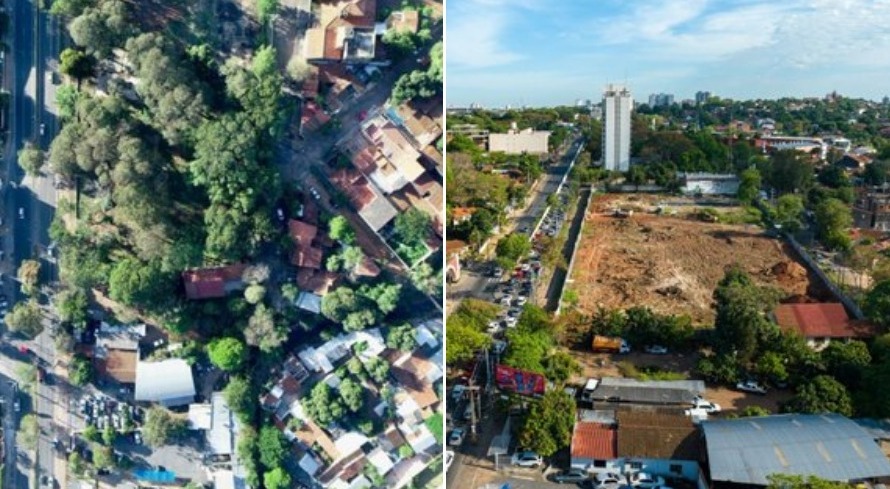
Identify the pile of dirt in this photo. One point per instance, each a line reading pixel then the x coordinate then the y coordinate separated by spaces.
pixel 790 276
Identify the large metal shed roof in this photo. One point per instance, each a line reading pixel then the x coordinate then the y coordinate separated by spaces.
pixel 829 446
pixel 168 382
pixel 649 392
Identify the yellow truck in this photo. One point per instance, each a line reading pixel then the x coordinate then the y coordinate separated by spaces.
pixel 610 344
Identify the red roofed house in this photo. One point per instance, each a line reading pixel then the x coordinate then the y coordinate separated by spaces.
pixel 820 323
pixel 345 32
pixel 306 254
pixel 593 444
pixel 213 283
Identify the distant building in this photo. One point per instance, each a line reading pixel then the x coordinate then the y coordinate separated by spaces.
pixel 617 104
pixel 747 451
pixel 661 100
pixel 702 97
pixel 871 210
pixel 516 142
pixel 709 183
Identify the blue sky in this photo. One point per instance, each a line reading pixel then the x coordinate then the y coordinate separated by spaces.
pixel 552 52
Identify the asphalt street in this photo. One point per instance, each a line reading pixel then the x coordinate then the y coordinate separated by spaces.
pixel 29 202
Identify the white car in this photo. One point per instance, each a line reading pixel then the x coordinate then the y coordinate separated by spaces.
pixel 656 350
pixel 526 459
pixel 705 405
pixel 457 393
pixel 511 321
pixel 608 479
pixel 456 438
pixel 521 300
pixel 499 347
pixel 21 212
pixel 751 386
pixel 646 480
pixel 494 327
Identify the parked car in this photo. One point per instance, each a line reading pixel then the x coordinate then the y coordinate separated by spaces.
pixel 656 350
pixel 608 479
pixel 499 347
pixel 707 406
pixel 456 438
pixel 449 458
pixel 571 476
pixel 751 386
pixel 646 480
pixel 526 459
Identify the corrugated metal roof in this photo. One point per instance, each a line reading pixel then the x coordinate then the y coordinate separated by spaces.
pixel 650 392
pixel 169 382
pixel 829 446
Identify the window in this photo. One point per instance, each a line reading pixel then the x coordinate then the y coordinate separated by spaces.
pixel 636 465
pixel 599 464
pixel 676 469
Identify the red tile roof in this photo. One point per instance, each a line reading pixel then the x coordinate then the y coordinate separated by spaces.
pixel 210 283
pixel 355 186
pixel 816 320
pixel 305 254
pixel 594 440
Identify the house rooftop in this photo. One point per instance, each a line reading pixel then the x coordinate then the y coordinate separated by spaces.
pixel 594 440
pixel 120 365
pixel 657 435
pixel 648 392
pixel 825 320
pixel 212 283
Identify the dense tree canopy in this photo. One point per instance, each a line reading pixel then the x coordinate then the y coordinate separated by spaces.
pixel 228 354
pixel 548 427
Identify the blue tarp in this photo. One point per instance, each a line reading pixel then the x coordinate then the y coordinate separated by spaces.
pixel 155 475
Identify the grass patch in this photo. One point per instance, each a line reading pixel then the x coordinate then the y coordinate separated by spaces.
pixel 436 424
pixel 648 372
pixel 412 254
pixel 745 215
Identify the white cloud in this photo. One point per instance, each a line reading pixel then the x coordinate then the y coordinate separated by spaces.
pixel 474 41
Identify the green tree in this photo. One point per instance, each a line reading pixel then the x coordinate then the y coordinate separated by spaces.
pixel 511 248
pixel 790 172
pixel 72 304
pixel 29 275
pixel 76 464
pixel 322 406
pixel 741 326
pixel 276 478
pixel 833 222
pixel 25 318
pixel 846 361
pixel 271 446
pixel 465 333
pixel 339 229
pixel 352 394
pixel 161 427
pixel 560 366
pixel 771 365
pixel 265 10
pixel 401 337
pixel 103 456
pixel 263 331
pixel 31 159
pixel 240 397
pixel 254 293
pixel 228 354
pixel 29 431
pixel 80 371
pixel 76 63
pixel 140 284
pixel 789 212
pixel 877 303
pixel 752 411
pixel 109 435
pixel 548 427
pixel 790 481
pixel 384 295
pixel 412 227
pixel 822 394
pixel 66 99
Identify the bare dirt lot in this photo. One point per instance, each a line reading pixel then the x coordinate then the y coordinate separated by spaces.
pixel 671 262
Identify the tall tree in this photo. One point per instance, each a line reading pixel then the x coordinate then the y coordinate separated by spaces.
pixel 228 354
pixel 548 427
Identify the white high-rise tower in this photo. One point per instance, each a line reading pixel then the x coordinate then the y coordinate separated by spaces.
pixel 617 105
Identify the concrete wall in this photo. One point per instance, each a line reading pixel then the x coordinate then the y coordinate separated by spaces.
pixel 517 143
pixel 852 308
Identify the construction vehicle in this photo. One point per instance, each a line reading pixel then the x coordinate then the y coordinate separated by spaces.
pixel 609 344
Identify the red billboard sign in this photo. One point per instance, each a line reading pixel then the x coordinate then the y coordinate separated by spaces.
pixel 519 381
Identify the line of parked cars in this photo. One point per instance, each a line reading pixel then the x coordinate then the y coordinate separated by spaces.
pixel 609 480
pixel 101 412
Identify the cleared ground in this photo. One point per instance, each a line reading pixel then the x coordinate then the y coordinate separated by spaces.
pixel 672 261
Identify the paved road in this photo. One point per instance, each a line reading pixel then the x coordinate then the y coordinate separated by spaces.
pixel 29 202
pixel 474 281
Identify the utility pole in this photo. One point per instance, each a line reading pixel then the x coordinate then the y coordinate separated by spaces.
pixel 473 391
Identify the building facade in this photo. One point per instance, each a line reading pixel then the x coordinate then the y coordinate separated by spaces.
pixel 617 105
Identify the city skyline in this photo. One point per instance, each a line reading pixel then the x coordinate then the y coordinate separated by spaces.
pixel 536 53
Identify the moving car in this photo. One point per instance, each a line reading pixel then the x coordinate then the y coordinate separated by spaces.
pixel 571 476
pixel 656 350
pixel 526 459
pixel 21 212
pixel 456 438
pixel 751 386
pixel 646 480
